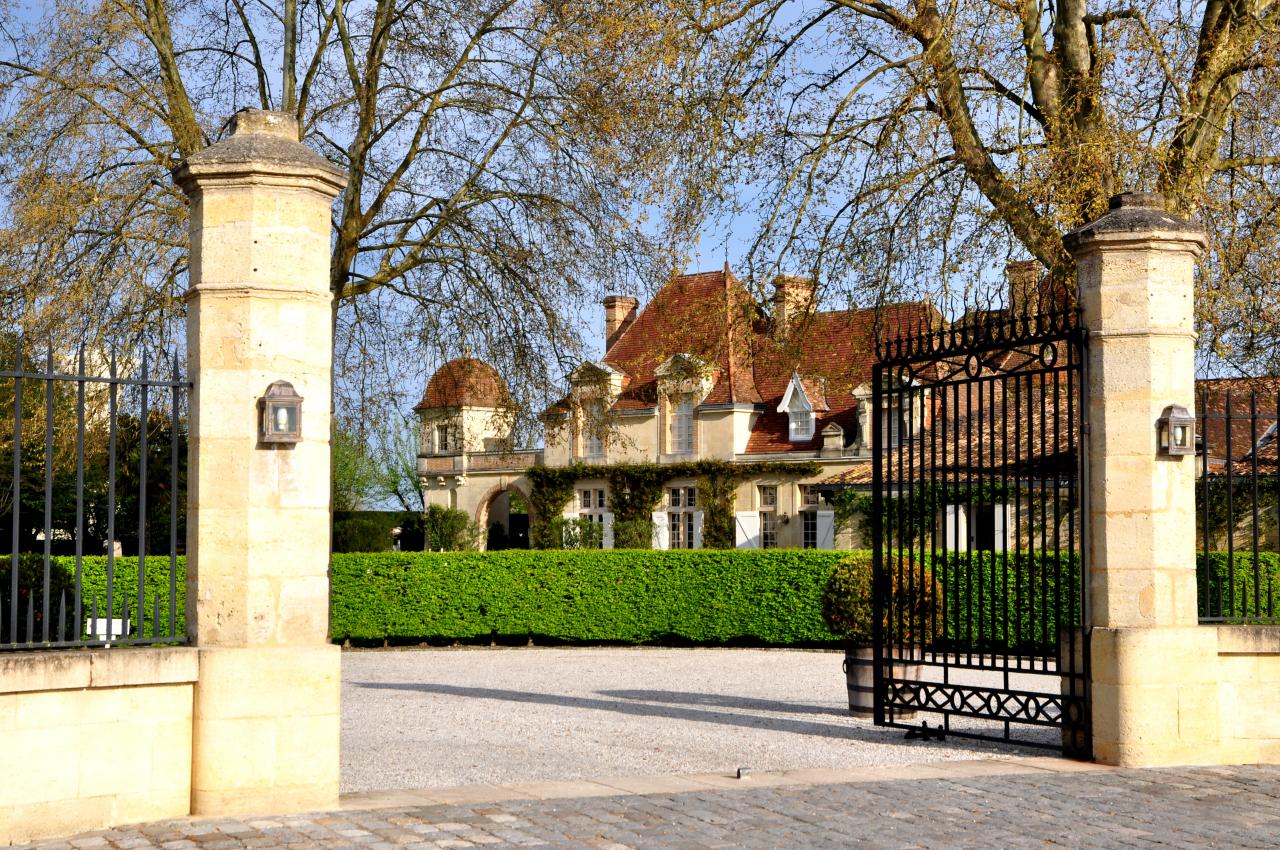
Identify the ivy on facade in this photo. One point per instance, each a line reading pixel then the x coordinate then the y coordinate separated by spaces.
pixel 635 490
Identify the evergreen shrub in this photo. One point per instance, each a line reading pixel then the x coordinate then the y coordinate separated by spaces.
pixel 363 531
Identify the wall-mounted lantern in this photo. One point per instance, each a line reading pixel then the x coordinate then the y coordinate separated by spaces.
pixel 1176 428
pixel 280 414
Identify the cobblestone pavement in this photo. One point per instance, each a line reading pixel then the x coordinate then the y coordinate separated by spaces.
pixel 982 805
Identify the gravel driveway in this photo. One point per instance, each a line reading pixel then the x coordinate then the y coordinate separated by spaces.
pixel 432 718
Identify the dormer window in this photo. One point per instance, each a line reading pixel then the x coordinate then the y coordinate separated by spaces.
pixel 799 410
pixel 902 417
pixel 801 424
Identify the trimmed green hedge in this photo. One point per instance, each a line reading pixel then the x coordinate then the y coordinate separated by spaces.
pixel 125 584
pixel 703 596
pixel 1005 602
pixel 700 596
pixel 93 573
pixel 1230 590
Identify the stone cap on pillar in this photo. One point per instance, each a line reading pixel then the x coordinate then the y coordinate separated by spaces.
pixel 262 142
pixel 1135 215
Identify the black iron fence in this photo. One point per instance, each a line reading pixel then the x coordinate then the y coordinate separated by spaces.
pixel 1237 494
pixel 93 513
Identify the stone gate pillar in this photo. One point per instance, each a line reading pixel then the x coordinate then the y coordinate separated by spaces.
pixel 1154 671
pixel 266 716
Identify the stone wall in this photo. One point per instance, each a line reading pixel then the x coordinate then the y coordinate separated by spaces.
pixel 94 738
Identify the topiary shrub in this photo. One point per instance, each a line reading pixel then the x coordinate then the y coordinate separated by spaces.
pixel 847 607
pixel 576 533
pixel 633 534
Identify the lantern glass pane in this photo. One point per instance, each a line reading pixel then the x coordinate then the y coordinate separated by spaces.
pixel 284 418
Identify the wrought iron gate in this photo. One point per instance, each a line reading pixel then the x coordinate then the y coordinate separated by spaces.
pixel 976 519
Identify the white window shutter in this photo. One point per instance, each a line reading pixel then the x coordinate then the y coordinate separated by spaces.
pixel 955 530
pixel 826 529
pixel 661 533
pixel 606 531
pixel 1001 517
pixel 747 531
pixel 697 529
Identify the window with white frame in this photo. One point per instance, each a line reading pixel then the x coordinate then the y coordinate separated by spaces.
pixel 681 434
pixel 903 418
pixel 809 520
pixel 768 516
pixel 809 502
pixel 801 423
pixel 768 530
pixel 593 430
pixel 799 411
pixel 593 506
pixel 682 505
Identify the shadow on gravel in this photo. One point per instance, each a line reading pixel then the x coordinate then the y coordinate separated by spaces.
pixel 669 710
pixel 724 701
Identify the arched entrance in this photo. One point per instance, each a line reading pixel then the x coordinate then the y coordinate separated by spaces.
pixel 504 516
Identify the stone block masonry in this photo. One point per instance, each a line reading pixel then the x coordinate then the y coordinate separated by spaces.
pixel 93 738
pixel 1165 690
pixel 247 719
pixel 265 714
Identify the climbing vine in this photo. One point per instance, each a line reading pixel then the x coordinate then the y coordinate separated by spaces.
pixel 635 489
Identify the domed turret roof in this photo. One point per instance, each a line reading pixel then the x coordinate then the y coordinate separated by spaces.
pixel 465 382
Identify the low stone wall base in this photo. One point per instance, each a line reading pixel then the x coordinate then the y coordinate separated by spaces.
pixel 1186 696
pixel 92 739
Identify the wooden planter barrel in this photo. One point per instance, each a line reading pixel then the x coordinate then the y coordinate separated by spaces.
pixel 859 674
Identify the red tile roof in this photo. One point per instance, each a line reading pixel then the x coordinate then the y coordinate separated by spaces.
pixel 711 316
pixel 1010 431
pixel 1036 443
pixel 1252 414
pixel 465 382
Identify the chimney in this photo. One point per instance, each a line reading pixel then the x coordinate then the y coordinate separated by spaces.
pixel 792 296
pixel 619 313
pixel 1023 279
